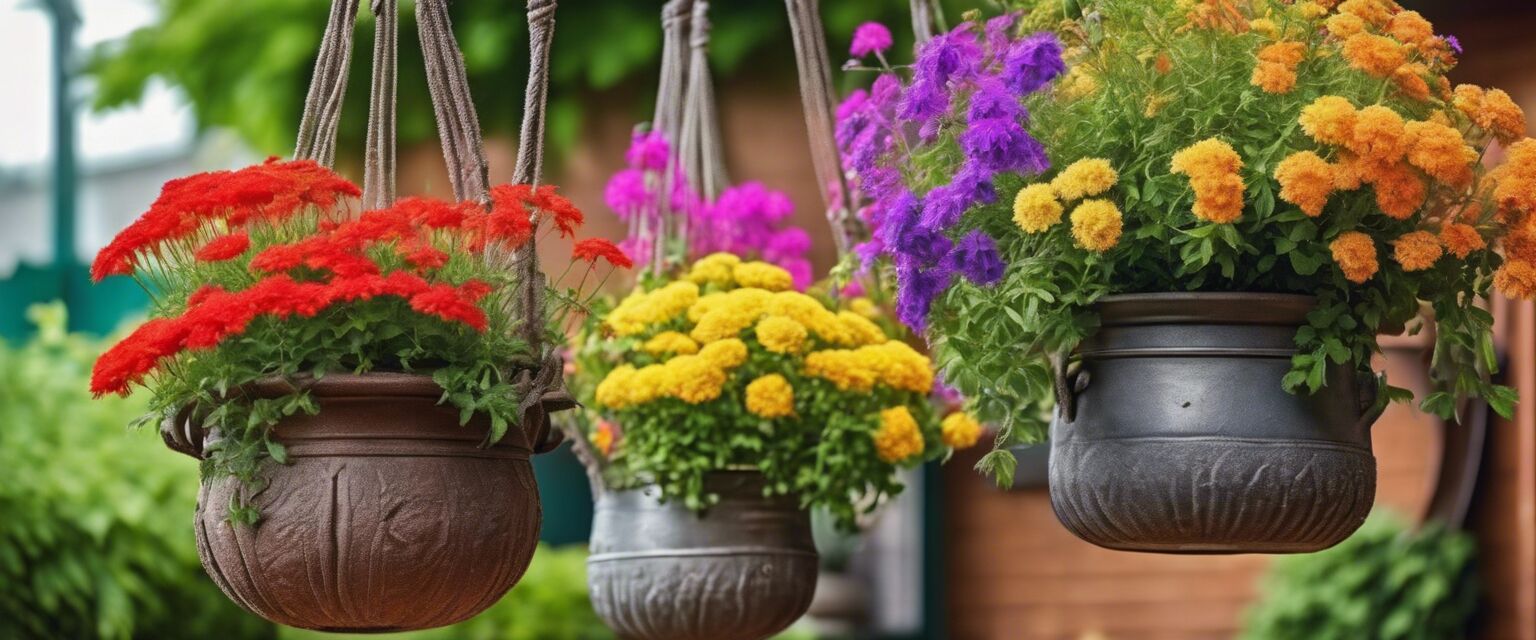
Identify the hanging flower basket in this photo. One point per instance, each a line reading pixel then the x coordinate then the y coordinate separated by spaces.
pixel 743 569
pixel 1175 434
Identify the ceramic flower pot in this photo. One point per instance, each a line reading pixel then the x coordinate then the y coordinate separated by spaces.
pixel 389 516
pixel 1175 435
pixel 744 569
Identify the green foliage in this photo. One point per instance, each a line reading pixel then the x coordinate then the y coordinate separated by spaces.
pixel 1386 582
pixel 550 603
pixel 95 532
pixel 246 65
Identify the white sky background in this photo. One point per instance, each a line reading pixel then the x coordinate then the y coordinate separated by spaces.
pixel 161 123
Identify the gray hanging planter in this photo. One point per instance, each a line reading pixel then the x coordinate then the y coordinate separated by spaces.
pixel 1175 434
pixel 742 570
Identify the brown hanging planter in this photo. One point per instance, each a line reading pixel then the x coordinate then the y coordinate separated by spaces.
pixel 744 569
pixel 389 516
pixel 1175 435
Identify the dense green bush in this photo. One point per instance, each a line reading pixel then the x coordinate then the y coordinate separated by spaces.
pixel 1385 582
pixel 95 521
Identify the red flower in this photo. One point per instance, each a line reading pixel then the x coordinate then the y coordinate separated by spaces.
pixel 593 248
pixel 475 290
pixel 224 247
pixel 568 218
pixel 435 214
pixel 424 257
pixel 450 304
pixel 509 222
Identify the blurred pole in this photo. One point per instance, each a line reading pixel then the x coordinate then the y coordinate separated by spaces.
pixel 66 20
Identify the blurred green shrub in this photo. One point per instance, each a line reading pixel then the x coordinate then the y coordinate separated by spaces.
pixel 95 521
pixel 1386 582
pixel 246 65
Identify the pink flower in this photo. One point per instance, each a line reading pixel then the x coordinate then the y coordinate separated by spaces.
pixel 870 37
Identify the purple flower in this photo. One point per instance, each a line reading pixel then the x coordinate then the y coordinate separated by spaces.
pixel 1032 63
pixel 976 257
pixel 900 217
pixel 976 183
pixel 1454 44
pixel 992 100
pixel 1003 145
pixel 916 288
pixel 924 244
pixel 648 151
pixel 870 37
pixel 923 102
pixel 869 252
pixel 996 32
pixel 942 208
pixel 951 56
pixel 626 193
pixel 885 91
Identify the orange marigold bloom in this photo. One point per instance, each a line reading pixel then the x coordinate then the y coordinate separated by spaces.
pixel 1440 151
pixel 1212 166
pixel 1501 116
pixel 1520 244
pixel 1409 79
pixel 1399 191
pixel 1378 135
pixel 1306 181
pixel 1410 27
pixel 1289 54
pixel 1373 54
pixel 1355 253
pixel 1344 25
pixel 1371 11
pixel 1515 186
pixel 1417 250
pixel 1516 279
pixel 1468 98
pixel 1461 239
pixel 1346 172
pixel 1273 77
pixel 1329 120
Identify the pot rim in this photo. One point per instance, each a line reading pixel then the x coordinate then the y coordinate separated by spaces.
pixel 351 385
pixel 1204 307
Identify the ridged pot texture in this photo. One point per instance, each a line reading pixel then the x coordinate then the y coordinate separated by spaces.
pixel 390 516
pixel 1176 436
pixel 744 569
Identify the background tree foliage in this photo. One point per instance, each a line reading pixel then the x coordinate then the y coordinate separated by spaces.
pixel 246 65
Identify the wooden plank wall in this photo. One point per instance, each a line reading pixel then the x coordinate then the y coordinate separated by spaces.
pixel 1014 573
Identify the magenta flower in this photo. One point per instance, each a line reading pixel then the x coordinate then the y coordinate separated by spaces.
pixel 648 151
pixel 870 37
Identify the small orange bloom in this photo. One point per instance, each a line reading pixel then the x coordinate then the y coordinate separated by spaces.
pixel 1399 191
pixel 1371 11
pixel 1343 26
pixel 1440 151
pixel 1409 79
pixel 1373 54
pixel 1355 253
pixel 1501 116
pixel 1378 135
pixel 1306 180
pixel 1329 120
pixel 1410 27
pixel 1212 166
pixel 1461 239
pixel 1273 77
pixel 1417 250
pixel 1516 279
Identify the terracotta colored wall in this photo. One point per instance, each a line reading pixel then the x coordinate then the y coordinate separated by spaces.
pixel 1014 573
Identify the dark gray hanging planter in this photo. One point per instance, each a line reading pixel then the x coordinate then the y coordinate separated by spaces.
pixel 1175 435
pixel 742 570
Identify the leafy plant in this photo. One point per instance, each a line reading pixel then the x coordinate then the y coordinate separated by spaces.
pixel 86 547
pixel 266 51
pixel 1244 145
pixel 727 368
pixel 1386 582
pixel 264 273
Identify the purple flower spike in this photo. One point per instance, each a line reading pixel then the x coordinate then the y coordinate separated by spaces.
pixel 952 56
pixel 942 208
pixel 917 287
pixel 923 101
pixel 868 38
pixel 977 258
pixel 1454 44
pixel 1003 145
pixel 1032 63
pixel 993 101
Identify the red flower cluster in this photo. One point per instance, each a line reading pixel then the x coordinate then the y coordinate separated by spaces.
pixel 270 191
pixel 224 247
pixel 214 315
pixel 592 249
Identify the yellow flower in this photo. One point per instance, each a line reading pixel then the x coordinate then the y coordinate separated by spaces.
pixel 694 379
pixel 810 312
pixel 864 307
pixel 745 300
pixel 898 438
pixel 670 342
pixel 781 335
pixel 1417 250
pixel 892 363
pixel 725 354
pixel 1264 26
pixel 1440 151
pixel 1078 83
pixel 1379 135
pixel 771 397
pixel 1306 181
pixel 640 310
pixel 1096 225
pixel 650 383
pixel 1355 253
pixel 1373 54
pixel 1035 209
pixel 1461 239
pixel 613 391
pixel 1329 120
pixel 860 330
pixel 715 269
pixel 960 430
pixel 1516 279
pixel 762 275
pixel 1212 166
pixel 1086 177
pixel 1311 10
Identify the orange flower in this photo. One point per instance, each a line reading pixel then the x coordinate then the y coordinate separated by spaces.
pixel 1343 26
pixel 1355 254
pixel 1520 244
pixel 1410 80
pixel 1501 116
pixel 1409 27
pixel 1371 11
pixel 1440 151
pixel 1378 135
pixel 1399 191
pixel 1461 239
pixel 1346 172
pixel 1163 64
pixel 1417 250
pixel 1468 98
pixel 1273 77
pixel 1289 54
pixel 1329 120
pixel 1306 181
pixel 1516 279
pixel 1212 166
pixel 1373 54
pixel 1515 187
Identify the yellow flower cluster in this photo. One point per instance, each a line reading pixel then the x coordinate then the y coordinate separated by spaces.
pixel 761 275
pixel 781 335
pixel 892 364
pixel 770 397
pixel 1036 209
pixel 959 430
pixel 670 342
pixel 717 269
pixel 1213 168
pixel 641 310
pixel 1096 224
pixel 1084 178
pixel 726 270
pixel 898 438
